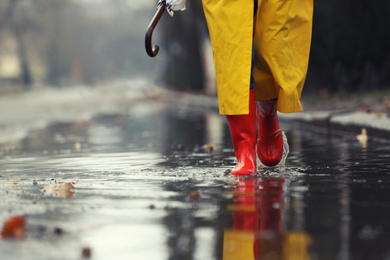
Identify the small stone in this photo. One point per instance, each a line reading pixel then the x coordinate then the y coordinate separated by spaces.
pixel 58 231
pixel 86 252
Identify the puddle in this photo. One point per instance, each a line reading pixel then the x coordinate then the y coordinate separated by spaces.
pixel 150 184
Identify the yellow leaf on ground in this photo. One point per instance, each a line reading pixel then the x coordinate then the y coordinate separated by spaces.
pixel 59 190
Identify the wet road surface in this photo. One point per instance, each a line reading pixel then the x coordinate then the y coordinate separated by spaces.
pixel 151 184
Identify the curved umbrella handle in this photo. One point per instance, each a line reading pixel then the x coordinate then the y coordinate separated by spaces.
pixel 152 51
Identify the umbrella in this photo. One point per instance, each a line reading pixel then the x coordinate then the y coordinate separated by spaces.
pixel 152 51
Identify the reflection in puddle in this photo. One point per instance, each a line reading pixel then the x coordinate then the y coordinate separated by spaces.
pixel 257 228
pixel 151 185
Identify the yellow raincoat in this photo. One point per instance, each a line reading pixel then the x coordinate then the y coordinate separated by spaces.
pixel 282 37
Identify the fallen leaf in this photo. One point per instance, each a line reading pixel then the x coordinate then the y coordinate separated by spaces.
pixel 383 115
pixel 362 138
pixel 14 228
pixel 194 196
pixel 59 190
pixel 209 147
pixel 77 146
pixel 363 111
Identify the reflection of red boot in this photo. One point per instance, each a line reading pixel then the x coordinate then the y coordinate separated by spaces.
pixel 243 132
pixel 271 204
pixel 270 137
pixel 246 214
pixel 271 207
pixel 240 242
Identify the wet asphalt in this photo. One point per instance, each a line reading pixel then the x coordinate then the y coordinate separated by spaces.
pixel 149 182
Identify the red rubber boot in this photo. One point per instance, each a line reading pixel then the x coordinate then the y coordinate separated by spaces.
pixel 243 132
pixel 270 137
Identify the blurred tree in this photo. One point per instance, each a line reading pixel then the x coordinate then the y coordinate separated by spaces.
pixel 67 42
pixel 7 8
pixel 56 47
pixel 10 7
pixel 183 36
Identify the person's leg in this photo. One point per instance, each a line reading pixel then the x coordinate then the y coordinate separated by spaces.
pixel 269 135
pixel 243 132
pixel 282 45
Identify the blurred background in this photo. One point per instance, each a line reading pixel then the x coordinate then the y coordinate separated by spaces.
pixel 60 43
